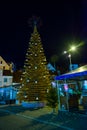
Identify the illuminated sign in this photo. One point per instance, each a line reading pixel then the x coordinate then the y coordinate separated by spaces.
pixel 66 87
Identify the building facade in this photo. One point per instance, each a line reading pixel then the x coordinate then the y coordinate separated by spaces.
pixel 8 89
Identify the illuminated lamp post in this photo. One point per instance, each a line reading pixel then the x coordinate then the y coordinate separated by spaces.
pixel 70 61
pixel 73 48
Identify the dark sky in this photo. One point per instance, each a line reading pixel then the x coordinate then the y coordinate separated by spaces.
pixel 62 22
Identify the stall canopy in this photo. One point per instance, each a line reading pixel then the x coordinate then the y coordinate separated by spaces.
pixel 80 73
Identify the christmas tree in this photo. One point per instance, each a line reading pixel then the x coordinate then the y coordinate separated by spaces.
pixel 35 80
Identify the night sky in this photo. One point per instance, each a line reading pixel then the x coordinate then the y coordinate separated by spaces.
pixel 62 22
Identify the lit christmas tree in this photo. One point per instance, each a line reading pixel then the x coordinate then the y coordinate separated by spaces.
pixel 35 81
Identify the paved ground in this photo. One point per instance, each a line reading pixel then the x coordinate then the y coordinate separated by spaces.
pixel 16 117
pixel 14 122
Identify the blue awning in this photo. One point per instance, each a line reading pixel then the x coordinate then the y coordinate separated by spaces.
pixel 80 72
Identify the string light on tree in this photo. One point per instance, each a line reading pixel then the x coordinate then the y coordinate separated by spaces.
pixel 35 67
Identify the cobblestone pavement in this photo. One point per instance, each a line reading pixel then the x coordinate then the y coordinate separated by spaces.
pixel 65 120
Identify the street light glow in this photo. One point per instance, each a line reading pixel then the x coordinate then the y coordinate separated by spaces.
pixel 69 55
pixel 65 52
pixel 73 48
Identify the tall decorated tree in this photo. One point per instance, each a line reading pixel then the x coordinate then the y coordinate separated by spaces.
pixel 35 80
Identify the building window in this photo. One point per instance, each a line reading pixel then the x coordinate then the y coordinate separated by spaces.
pixel 1 62
pixel 3 67
pixel 0 83
pixel 5 79
pixel 10 80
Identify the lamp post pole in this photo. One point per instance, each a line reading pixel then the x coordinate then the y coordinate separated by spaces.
pixel 70 62
pixel 73 48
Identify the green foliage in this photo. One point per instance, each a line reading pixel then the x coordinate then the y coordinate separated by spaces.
pixel 52 98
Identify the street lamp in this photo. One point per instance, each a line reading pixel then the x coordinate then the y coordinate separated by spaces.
pixel 70 61
pixel 73 48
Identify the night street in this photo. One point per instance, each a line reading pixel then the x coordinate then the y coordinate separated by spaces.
pixel 13 122
pixel 18 118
